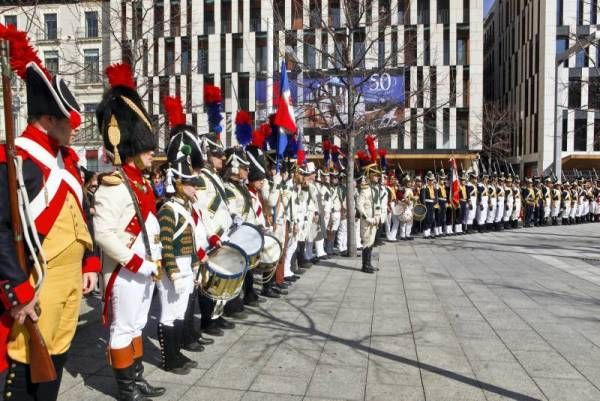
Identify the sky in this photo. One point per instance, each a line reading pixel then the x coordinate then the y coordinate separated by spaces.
pixel 487 5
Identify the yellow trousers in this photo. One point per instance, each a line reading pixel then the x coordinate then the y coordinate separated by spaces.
pixel 60 302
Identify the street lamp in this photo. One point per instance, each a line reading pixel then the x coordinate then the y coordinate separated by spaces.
pixel 581 45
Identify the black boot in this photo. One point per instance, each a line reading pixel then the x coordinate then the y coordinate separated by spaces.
pixel 169 349
pixel 187 362
pixel 302 262
pixel 142 385
pixel 369 260
pixel 126 385
pixel 365 261
pixel 192 340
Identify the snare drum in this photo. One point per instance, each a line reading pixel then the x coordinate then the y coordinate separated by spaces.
pixel 250 239
pixel 270 255
pixel 223 275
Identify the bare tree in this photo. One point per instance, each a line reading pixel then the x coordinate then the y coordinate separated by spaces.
pixel 497 125
pixel 350 46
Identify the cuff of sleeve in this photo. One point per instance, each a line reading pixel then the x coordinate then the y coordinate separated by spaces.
pixel 212 241
pixel 92 265
pixel 16 295
pixel 134 263
pixel 201 254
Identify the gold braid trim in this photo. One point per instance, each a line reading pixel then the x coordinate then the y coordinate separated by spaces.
pixel 137 111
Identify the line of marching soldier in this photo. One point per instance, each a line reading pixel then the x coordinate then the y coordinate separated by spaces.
pixel 484 203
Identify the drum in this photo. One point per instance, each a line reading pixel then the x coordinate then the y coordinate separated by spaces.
pixel 270 255
pixel 223 275
pixel 248 237
pixel 419 212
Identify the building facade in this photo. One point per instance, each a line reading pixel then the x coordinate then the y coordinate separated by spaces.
pixel 423 60
pixel 522 42
pixel 69 38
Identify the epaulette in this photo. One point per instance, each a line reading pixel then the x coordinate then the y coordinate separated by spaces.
pixel 112 179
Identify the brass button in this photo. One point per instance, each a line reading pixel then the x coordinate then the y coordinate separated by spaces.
pixel 8 395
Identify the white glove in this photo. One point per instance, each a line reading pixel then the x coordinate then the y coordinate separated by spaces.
pixel 372 220
pixel 179 283
pixel 148 268
pixel 277 179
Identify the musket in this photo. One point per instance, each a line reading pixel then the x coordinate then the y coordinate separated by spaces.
pixel 595 174
pixel 435 169
pixel 41 366
pixel 400 168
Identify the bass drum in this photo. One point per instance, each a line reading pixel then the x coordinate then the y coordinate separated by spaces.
pixel 250 239
pixel 270 255
pixel 419 212
pixel 223 275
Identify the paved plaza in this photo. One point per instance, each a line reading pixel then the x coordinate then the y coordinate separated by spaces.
pixel 498 316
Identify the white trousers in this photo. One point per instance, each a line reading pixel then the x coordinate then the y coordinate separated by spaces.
pixel 491 214
pixel 359 243
pixel 516 214
pixel 508 210
pixel 482 212
pixel 499 210
pixel 336 218
pixel 391 226
pixel 320 247
pixel 130 303
pixel 472 213
pixel 566 212
pixel 555 209
pixel 405 229
pixel 291 249
pixel 172 304
pixel 342 237
pixel 573 211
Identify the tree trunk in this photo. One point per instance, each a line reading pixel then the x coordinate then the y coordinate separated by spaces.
pixel 350 185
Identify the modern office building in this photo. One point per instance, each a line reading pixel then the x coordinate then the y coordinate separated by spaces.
pixel 426 97
pixel 522 42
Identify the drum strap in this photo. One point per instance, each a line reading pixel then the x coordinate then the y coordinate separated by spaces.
pixel 178 210
pixel 217 186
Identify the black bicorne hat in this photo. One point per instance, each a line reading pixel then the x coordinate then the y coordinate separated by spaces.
pixel 46 95
pixel 257 163
pixel 181 170
pixel 122 118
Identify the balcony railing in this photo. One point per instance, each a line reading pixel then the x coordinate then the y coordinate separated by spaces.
pixel 87 34
pixel 51 36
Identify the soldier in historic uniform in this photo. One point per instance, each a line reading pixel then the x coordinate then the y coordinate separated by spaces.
pixel 555 195
pixel 429 198
pixel 509 202
pixel 406 201
pixel 482 203
pixel 180 260
pixel 57 228
pixel 368 207
pixel 306 203
pixel 337 204
pixel 518 203
pixel 492 203
pixel 184 135
pixel 565 203
pixel 462 211
pixel 530 198
pixel 500 203
pixel 342 231
pixel 574 202
pixel 324 194
pixel 127 229
pixel 441 211
pixel 472 203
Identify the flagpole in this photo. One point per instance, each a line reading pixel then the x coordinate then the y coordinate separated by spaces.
pixel 270 62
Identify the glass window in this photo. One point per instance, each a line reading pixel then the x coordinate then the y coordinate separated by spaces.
pixel 443 12
pixel 574 93
pixel 159 20
pixel 91 24
pixel 175 18
pixel 559 12
pixel 50 24
pixel 562 44
pixel 169 57
pixel 10 20
pixel 202 55
pixel 580 138
pixel 51 61
pixel 91 59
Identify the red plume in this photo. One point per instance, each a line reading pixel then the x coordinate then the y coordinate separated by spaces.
pixel 362 156
pixel 371 147
pixel 382 152
pixel 258 138
pixel 326 145
pixel 120 74
pixel 212 94
pixel 21 51
pixel 174 110
pixel 300 157
pixel 242 117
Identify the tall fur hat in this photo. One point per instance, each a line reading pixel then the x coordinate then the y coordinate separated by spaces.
pixel 122 118
pixel 181 133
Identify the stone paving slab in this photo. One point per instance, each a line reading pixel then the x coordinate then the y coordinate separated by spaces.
pixel 496 316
